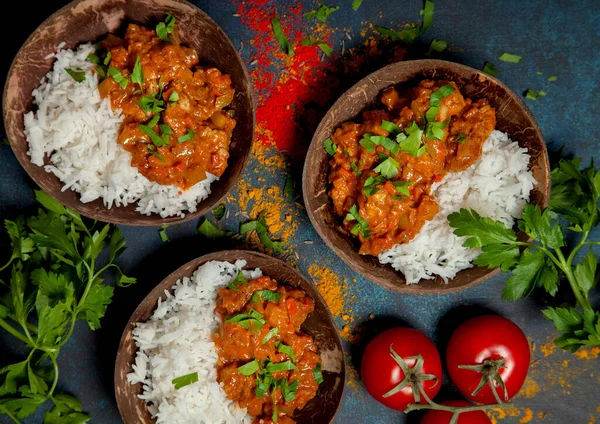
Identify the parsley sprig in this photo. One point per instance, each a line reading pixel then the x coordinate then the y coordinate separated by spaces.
pixel 52 280
pixel 546 259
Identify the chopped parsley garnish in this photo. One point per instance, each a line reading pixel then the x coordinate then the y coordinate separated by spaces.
pixel 107 59
pixel 153 152
pixel 163 233
pixel 268 295
pixel 402 187
pixel 288 391
pixel 154 137
pixel 283 366
pixel 539 73
pixel 185 380
pixel 237 282
pixel 330 147
pixel 137 76
pixel 356 4
pixel 367 143
pixel 253 320
pixel 388 168
pixel 260 226
pixel 411 144
pixel 318 374
pixel 460 138
pixel 286 350
pixel 436 46
pixel 166 131
pixel 93 58
pixel 541 93
pixel 280 37
pixel 362 226
pixel 490 69
pixel 552 78
pixel 78 76
pixel 219 211
pixel 208 230
pixel 533 95
pixel 369 186
pixel 322 13
pixel 409 35
pixel 153 104
pixel 310 41
pixel 435 130
pixel 390 126
pixel 355 169
pixel 249 368
pixel 163 29
pixel 272 333
pixel 189 135
pixel 118 77
pixel 174 97
pixel 508 57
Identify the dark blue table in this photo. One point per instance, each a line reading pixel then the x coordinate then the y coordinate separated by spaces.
pixel 554 37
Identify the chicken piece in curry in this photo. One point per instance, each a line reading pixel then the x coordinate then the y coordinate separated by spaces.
pixel 176 123
pixel 384 165
pixel 266 363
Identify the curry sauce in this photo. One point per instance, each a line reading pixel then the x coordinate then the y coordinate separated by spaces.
pixel 176 125
pixel 383 166
pixel 266 363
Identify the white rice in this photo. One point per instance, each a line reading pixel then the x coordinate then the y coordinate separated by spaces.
pixel 176 341
pixel 78 131
pixel 497 185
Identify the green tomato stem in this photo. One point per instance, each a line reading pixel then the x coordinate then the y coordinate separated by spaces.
pixel 15 332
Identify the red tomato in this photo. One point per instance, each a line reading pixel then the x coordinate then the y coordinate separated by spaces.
pixel 443 417
pixel 484 338
pixel 380 372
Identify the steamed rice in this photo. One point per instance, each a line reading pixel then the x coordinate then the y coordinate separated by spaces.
pixel 497 186
pixel 176 341
pixel 78 130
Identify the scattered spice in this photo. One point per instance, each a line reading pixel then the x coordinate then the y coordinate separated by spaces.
pixel 328 284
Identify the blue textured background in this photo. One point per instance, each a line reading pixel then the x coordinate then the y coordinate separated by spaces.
pixel 559 37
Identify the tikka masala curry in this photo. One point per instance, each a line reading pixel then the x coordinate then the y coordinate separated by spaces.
pixel 266 363
pixel 176 124
pixel 383 167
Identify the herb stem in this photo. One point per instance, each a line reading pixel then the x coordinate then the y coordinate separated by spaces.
pixel 548 253
pixel 55 382
pixel 596 243
pixel 583 302
pixel 12 258
pixel 11 416
pixel 15 332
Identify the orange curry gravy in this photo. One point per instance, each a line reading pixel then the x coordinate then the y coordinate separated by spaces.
pixel 238 344
pixel 393 218
pixel 192 100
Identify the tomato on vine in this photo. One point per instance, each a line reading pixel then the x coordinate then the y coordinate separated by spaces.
pixel 488 352
pixel 401 366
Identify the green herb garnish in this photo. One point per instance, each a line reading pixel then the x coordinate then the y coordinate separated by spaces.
pixel 288 189
pixel 185 380
pixel 390 127
pixel 512 58
pixel 189 135
pixel 409 35
pixel 154 137
pixel 174 97
pixel 531 95
pixel 268 295
pixel 208 230
pixel 108 58
pixel 369 186
pixel 318 374
pixel 460 138
pixel 367 143
pixel 137 76
pixel 362 226
pixel 355 169
pixel 78 76
pixel 490 69
pixel 283 366
pixel 93 58
pixel 280 37
pixel 310 41
pixel 388 168
pixel 330 147
pixel 154 153
pixel 402 187
pixel 356 4
pixel 272 333
pixel 436 46
pixel 387 143
pixel 552 78
pixel 163 29
pixel 249 368
pixel 118 77
pixel 260 226
pixel 435 130
pixel 322 13
pixel 163 233
pixel 286 350
pixel 152 104
pixel 238 281
pixel 253 320
pixel 411 144
pixel 219 211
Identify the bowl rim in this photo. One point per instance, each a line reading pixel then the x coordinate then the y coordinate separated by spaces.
pixel 194 264
pixel 342 254
pixel 154 219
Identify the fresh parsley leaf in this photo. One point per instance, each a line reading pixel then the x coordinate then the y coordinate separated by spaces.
pixel 402 187
pixel 460 138
pixel 163 29
pixel 187 136
pixel 407 35
pixel 272 333
pixel 260 226
pixel 208 230
pixel 436 46
pixel 526 275
pixel 490 69
pixel 238 281
pixel 355 169
pixel 427 13
pixel 552 78
pixel 387 143
pixel 94 307
pixel 108 58
pixel 137 76
pixel 480 230
pixel 163 233
pixel 318 374
pixel 388 168
pixel 118 77
pixel 411 144
pixel 283 366
pixel 531 95
pixel 249 368
pixel 288 391
pixel 504 256
pixel 78 76
pixel 390 126
pixel 537 225
pixel 435 130
pixel 512 58
pixel 280 37
pixel 366 142
pixel 219 211
pixel 185 380
pixel 93 58
pixel 152 104
pixel 267 295
pixel 322 13
pixel 369 186
pixel 330 147
pixel 356 4
pixel 585 272
pixel 154 153
pixel 310 41
pixel 362 226
pixel 174 97
pixel 154 137
pixel 286 350
pixel 22 245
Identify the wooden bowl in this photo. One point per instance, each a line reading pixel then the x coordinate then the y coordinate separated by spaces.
pixel 319 325
pixel 513 118
pixel 89 20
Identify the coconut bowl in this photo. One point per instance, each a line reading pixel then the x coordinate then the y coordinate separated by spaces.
pixel 84 21
pixel 512 115
pixel 321 409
